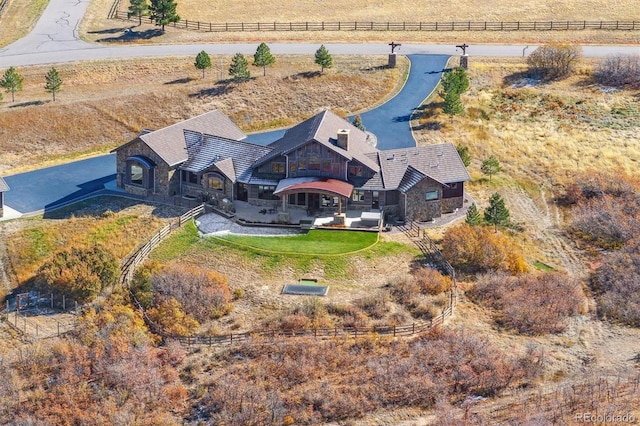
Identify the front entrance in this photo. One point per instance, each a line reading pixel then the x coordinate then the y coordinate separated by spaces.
pixel 314 202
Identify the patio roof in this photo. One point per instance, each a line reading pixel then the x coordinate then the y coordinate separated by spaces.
pixel 314 184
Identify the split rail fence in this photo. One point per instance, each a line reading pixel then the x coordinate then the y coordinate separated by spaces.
pixel 389 26
pixel 3 6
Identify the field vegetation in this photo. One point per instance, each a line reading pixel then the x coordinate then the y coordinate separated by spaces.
pixel 97 27
pixel 104 104
pixel 548 328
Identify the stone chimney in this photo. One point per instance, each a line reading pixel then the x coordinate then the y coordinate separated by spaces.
pixel 343 139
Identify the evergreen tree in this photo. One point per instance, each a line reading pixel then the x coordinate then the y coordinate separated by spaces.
pixel 463 152
pixel 12 82
pixel 473 215
pixel 490 166
pixel 138 8
pixel 163 12
pixel 323 58
pixel 452 104
pixel 357 121
pixel 497 213
pixel 454 83
pixel 203 61
pixel 53 82
pixel 263 58
pixel 239 68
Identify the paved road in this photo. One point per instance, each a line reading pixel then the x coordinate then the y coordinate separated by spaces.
pixel 55 39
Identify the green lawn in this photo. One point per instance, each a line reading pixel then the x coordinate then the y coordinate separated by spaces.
pixel 316 242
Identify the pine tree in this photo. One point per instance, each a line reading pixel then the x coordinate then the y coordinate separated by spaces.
pixel 263 58
pixel 357 121
pixel 163 12
pixel 53 82
pixel 452 104
pixel 497 213
pixel 490 166
pixel 239 68
pixel 323 58
pixel 463 152
pixel 138 8
pixel 473 215
pixel 203 61
pixel 12 82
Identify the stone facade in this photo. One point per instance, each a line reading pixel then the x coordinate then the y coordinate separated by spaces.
pixel 449 205
pixel 418 207
pixel 166 180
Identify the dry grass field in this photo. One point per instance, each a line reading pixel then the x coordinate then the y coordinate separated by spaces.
pixel 18 19
pixel 103 104
pixel 95 24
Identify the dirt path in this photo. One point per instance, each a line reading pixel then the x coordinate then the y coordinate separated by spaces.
pixel 543 221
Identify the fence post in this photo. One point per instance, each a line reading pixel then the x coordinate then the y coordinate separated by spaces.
pixel 413 328
pixel 64 303
pixel 51 300
pixel 231 338
pixel 394 330
pixel 58 323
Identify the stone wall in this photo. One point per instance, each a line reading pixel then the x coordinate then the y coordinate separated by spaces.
pixel 449 205
pixel 418 208
pixel 166 180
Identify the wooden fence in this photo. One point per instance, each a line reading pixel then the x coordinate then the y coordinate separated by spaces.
pixel 391 26
pixel 133 260
pixel 430 251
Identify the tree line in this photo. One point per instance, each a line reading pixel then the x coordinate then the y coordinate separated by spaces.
pixel 12 82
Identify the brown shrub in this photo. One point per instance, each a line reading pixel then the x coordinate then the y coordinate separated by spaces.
pixel 530 304
pixel 431 281
pixel 375 305
pixel 617 285
pixel 478 249
pixel 202 293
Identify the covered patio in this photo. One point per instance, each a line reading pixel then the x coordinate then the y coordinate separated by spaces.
pixel 301 217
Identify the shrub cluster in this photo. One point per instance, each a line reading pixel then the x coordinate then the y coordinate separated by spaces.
pixel 619 70
pixel 309 382
pixel 617 285
pixel 79 273
pixel 479 249
pixel 416 292
pixel 606 209
pixel 530 304
pixel 554 61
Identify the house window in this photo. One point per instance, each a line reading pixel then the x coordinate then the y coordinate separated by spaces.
pixel 190 177
pixel 355 170
pixel 137 174
pixel 265 192
pixel 432 195
pixel 302 199
pixel 358 195
pixel 215 182
pixel 302 164
pixel 314 162
pixel 277 167
pixel 292 167
pixel 453 185
pixel 326 166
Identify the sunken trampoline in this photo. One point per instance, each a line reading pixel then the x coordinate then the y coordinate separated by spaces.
pixel 306 287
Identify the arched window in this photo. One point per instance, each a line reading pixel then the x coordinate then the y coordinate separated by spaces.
pixel 140 171
pixel 215 182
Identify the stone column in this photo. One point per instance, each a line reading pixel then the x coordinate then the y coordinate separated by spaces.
pixel 464 61
pixel 392 60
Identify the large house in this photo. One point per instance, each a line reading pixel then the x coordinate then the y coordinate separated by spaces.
pixel 324 163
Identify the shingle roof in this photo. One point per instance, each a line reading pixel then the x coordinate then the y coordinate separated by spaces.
pixel 169 142
pixel 3 185
pixel 411 177
pixel 440 162
pixel 232 157
pixel 323 128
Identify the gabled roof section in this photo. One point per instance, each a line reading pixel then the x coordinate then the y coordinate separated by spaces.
pixel 439 162
pixel 323 128
pixel 411 177
pixel 232 157
pixel 4 187
pixel 169 142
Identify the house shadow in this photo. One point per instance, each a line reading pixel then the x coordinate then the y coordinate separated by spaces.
pixel 129 36
pixel 373 69
pixel 85 189
pixel 112 30
pixel 424 114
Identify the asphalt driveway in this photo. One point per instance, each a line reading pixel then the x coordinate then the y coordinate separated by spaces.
pixel 46 189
